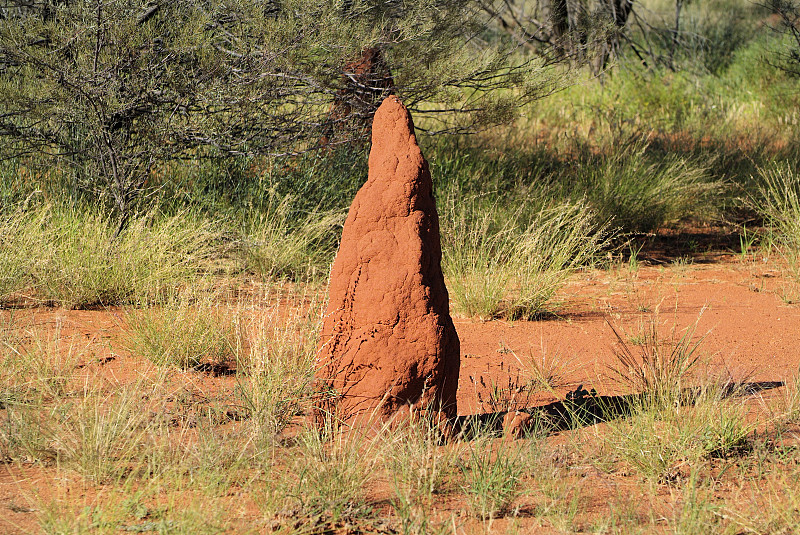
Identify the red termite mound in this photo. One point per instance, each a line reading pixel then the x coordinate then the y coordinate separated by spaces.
pixel 388 343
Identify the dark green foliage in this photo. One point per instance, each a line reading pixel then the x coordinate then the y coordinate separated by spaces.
pixel 110 90
pixel 789 56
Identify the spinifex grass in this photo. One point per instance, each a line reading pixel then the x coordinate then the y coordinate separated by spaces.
pixel 641 193
pixel 326 474
pixel 184 333
pixel 662 442
pixel 91 429
pixel 501 263
pixel 658 370
pixel 73 258
pixel 277 367
pixel 36 371
pixel 493 477
pixel 271 341
pixel 778 202
pixel 101 434
pixel 34 365
pixel 280 243
pixel 23 237
pixel 546 372
pixel 419 465
pixel 148 508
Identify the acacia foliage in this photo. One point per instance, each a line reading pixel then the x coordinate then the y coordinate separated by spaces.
pixel 789 13
pixel 111 89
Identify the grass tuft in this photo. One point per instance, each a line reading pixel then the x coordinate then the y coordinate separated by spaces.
pixel 34 367
pixel 100 435
pixel 660 369
pixel 275 374
pixel 640 193
pixel 493 477
pixel 326 474
pixel 662 443
pixel 778 202
pixel 183 334
pixel 72 258
pixel 419 466
pixel 501 263
pixel 281 243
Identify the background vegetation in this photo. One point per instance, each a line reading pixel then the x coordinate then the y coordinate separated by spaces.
pixel 695 103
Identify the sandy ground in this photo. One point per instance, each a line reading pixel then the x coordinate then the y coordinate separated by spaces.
pixel 749 331
pixel 742 307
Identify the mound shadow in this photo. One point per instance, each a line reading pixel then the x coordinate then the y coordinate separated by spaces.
pixel 582 408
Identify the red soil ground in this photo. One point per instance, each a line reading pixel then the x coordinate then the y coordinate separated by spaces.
pixel 742 309
pixel 741 306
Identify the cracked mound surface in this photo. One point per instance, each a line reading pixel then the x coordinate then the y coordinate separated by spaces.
pixel 388 342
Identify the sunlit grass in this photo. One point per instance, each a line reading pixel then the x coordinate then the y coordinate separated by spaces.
pixel 510 263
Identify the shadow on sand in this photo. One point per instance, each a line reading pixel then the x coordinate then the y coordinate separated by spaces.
pixel 580 409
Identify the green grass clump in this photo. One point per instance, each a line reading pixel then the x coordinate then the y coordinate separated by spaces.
pixel 326 475
pixel 100 435
pixel 660 368
pixel 32 366
pixel 674 422
pixel 118 511
pixel 281 243
pixel 778 202
pixel 501 263
pixel 35 371
pixel 273 349
pixel 74 258
pixel 420 466
pixel 493 478
pixel 23 244
pixel 661 443
pixel 183 334
pixel 641 193
pixel 49 419
pixel 278 366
